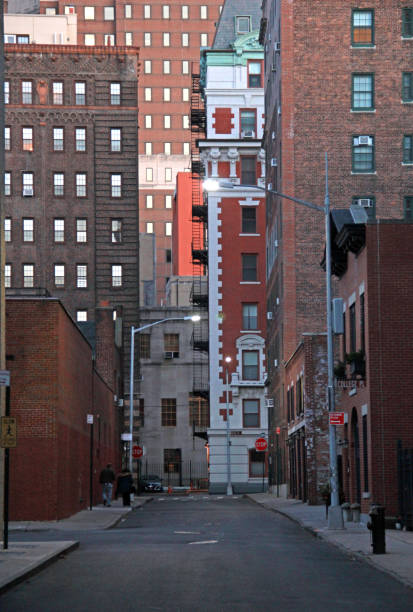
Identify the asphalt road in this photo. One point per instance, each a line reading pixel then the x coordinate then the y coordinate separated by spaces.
pixel 206 554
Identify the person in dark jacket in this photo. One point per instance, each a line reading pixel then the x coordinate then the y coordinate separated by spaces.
pixel 124 486
pixel 107 478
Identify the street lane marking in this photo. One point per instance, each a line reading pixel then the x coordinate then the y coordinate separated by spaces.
pixel 205 542
pixel 188 532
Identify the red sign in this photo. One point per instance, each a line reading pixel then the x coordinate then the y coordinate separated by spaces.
pixel 137 451
pixel 261 444
pixel 278 430
pixel 336 418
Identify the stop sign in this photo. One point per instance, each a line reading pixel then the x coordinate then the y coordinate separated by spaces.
pixel 261 444
pixel 137 451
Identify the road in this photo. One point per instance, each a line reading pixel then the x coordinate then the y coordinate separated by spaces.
pixel 205 553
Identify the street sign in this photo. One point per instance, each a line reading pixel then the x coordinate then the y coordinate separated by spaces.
pixel 4 378
pixel 126 437
pixel 261 444
pixel 8 432
pixel 278 430
pixel 336 418
pixel 89 419
pixel 137 452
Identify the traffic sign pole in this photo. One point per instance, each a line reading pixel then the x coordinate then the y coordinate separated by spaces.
pixel 6 481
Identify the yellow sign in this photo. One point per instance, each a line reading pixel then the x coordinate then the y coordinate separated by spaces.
pixel 8 432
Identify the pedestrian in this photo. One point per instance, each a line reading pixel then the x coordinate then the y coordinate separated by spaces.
pixel 107 478
pixel 124 486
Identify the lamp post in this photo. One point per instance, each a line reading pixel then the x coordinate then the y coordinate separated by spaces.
pixel 229 484
pixel 335 516
pixel 133 331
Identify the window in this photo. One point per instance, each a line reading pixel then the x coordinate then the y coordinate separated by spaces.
pixel 185 67
pixel 89 13
pixel 59 275
pixel 167 122
pixel 250 369
pixel 116 275
pixel 27 138
pixel 172 460
pixel 408 149
pixel 148 121
pixel 89 40
pixel 166 39
pixel 149 175
pixel 363 154
pixel 59 230
pixel 7 229
pixel 81 185
pixel 115 93
pixel 168 412
pixel 81 316
pixel 28 230
pixel 362 95
pixel 203 11
pixel 249 267
pixel 147 39
pixel 256 463
pixel 408 208
pixel 251 413
pixel 242 24
pixel 81 230
pixel 128 11
pixel 248 120
pixel 115 139
pixel 185 11
pixel 147 11
pixel 171 344
pixel 58 139
pixel 168 201
pixel 28 275
pixel 7 183
pixel 185 39
pixel 50 10
pixel 116 185
pixel 7 276
pixel 165 11
pixel 248 170
pixel 249 316
pixel 249 220
pixel 149 227
pixel 185 122
pixel 167 148
pixel 80 93
pixel 27 184
pixel 70 10
pixel 352 331
pixel 27 95
pixel 407 87
pixel 186 148
pixel 204 39
pixel 23 39
pixel 166 94
pixel 168 175
pixel 168 228
pixel 148 66
pixel 57 89
pixel 255 74
pixel 109 40
pixel 362 323
pixel 362 28
pixel 58 184
pixel 81 276
pixel 80 139
pixel 407 22
pixel 6 92
pixel 116 230
pixel 149 201
pixel 7 141
pixel 144 346
pixel 148 148
pixel 185 94
pixel 166 67
pixel 148 94
pixel 108 13
pixel 198 411
pixel 168 255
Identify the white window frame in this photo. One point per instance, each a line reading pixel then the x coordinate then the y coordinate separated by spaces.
pixel 166 94
pixel 59 275
pixel 148 94
pixel 88 13
pixel 28 230
pixel 203 11
pixel 148 122
pixel 185 11
pixel 168 200
pixel 147 11
pixel 185 67
pixel 168 175
pixel 128 11
pixel 185 39
pixel 81 276
pixel 148 148
pixel 108 13
pixel 167 122
pixel 149 175
pixel 147 39
pixel 167 148
pixel 149 200
pixel 58 184
pixel 80 143
pixel 166 66
pixel 168 228
pixel 117 275
pixel 149 227
pixel 115 140
pixel 89 40
pixel 166 39
pixel 81 231
pixel 185 94
pixel 115 93
pixel 58 230
pixel 166 11
pixel 28 275
pixel 81 184
pixel 148 67
pixel 116 185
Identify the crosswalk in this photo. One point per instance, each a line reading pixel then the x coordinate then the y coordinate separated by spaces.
pixel 187 498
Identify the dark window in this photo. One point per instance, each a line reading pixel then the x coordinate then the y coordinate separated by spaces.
pixel 255 74
pixel 141 408
pixel 362 94
pixel 171 343
pixel 251 413
pixel 365 454
pixel 168 255
pixel 344 345
pixel 115 93
pixel 144 346
pixel 80 93
pixel 248 170
pixel 248 121
pixel 362 323
pixel 299 397
pixel 172 460
pixel 407 22
pixel 198 411
pixel 407 86
pixel 363 154
pixel 352 314
pixel 257 463
pixel 168 412
pixel 116 230
pixel 408 208
pixel 249 220
pixel 249 316
pixel 362 28
pixel 249 267
pixel 292 403
pixel 250 367
pixel 408 149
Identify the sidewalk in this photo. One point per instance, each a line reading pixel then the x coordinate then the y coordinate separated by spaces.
pixel 23 559
pixel 353 540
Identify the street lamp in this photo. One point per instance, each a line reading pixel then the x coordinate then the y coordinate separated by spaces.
pixel 229 484
pixel 133 331
pixel 335 516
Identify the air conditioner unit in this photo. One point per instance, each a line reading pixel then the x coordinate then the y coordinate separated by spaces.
pixel 273 135
pixel 277 47
pixel 277 301
pixel 247 134
pixel 269 402
pixel 276 243
pixel 269 316
pixel 273 68
pixel 275 363
pixel 27 191
pixel 363 140
pixel 274 162
pixel 120 403
pixel 10 38
pixel 365 202
pixel 269 186
pixel 168 355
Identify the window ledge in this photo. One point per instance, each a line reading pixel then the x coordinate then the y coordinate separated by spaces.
pixel 250 234
pixel 250 331
pixel 407 163
pixel 364 173
pixel 372 110
pixel 250 282
pixel 406 37
pixel 362 46
pixel 406 101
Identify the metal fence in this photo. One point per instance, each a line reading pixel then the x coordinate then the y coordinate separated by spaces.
pixel 190 474
pixel 405 474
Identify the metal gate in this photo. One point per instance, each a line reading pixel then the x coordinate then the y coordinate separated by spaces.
pixel 405 474
pixel 186 474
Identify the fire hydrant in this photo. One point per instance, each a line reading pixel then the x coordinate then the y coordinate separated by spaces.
pixel 377 528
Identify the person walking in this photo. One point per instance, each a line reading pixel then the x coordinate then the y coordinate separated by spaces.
pixel 124 486
pixel 106 479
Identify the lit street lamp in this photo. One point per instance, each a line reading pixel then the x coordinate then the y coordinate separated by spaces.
pixel 335 516
pixel 229 484
pixel 133 331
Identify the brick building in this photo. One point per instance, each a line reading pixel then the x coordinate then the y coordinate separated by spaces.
pixel 169 36
pixel 337 80
pixel 71 215
pixel 55 384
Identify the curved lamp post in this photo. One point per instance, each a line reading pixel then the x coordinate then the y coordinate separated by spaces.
pixel 229 483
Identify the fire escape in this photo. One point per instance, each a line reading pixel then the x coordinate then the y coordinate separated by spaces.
pixel 199 294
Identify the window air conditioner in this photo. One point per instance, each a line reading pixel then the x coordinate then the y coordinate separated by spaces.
pixel 365 202
pixel 269 316
pixel 168 355
pixel 276 363
pixel 276 243
pixel 269 186
pixel 247 134
pixel 277 301
pixel 364 140
pixel 277 47
pixel 274 162
pixel 273 135
pixel 269 402
pixel 27 191
pixel 10 38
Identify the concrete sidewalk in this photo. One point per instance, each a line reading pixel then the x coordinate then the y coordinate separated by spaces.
pixel 354 540
pixel 22 559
